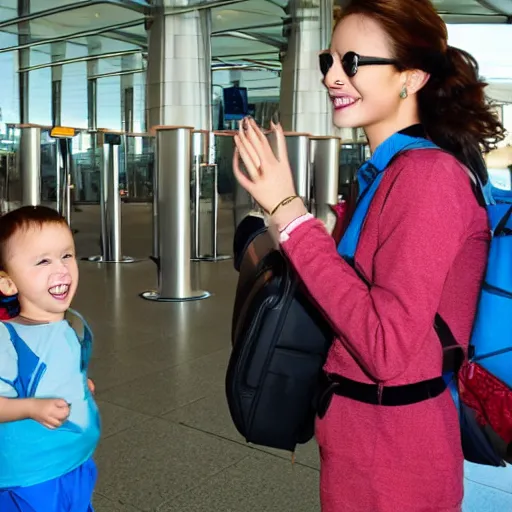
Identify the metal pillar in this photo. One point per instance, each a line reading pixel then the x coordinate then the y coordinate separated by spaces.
pixel 92 111
pixel 325 158
pixel 199 155
pixel 56 102
pixel 110 203
pixel 64 170
pixel 30 165
pixel 298 148
pixel 24 35
pixel 64 184
pixel 173 155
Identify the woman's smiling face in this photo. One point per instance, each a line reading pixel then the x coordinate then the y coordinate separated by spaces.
pixel 372 96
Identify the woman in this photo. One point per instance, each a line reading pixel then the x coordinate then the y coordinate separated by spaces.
pixel 422 251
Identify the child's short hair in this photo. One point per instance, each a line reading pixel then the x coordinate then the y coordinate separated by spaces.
pixel 22 219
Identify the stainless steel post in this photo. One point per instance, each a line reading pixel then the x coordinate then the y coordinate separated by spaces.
pixel 110 203
pixel 68 185
pixel 30 165
pixel 298 147
pixel 156 242
pixel 199 157
pixel 92 104
pixel 173 159
pixel 325 164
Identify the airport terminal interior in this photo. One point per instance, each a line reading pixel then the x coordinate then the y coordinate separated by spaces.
pixel 85 89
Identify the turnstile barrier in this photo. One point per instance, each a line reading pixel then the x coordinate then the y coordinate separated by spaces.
pixel 110 202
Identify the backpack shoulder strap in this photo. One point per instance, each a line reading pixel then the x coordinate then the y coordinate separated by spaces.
pixel 84 335
pixel 30 367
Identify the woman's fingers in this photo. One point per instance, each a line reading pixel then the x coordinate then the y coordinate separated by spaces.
pixel 282 151
pixel 252 170
pixel 244 181
pixel 259 142
pixel 248 146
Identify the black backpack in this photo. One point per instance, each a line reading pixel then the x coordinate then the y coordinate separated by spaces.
pixel 280 343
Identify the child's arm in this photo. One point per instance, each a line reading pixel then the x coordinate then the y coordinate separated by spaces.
pixel 51 413
pixel 14 409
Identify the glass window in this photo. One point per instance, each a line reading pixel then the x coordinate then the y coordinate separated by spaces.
pixel 74 95
pixel 40 90
pixel 109 102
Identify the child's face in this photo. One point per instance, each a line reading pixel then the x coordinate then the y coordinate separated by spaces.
pixel 41 263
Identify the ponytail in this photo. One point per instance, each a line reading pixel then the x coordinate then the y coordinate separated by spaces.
pixel 455 112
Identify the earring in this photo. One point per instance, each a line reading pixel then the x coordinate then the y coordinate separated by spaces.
pixel 403 92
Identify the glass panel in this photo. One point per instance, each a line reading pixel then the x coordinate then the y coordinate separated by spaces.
pixel 9 90
pixel 48 168
pixel 9 146
pixel 489 45
pixel 139 102
pixel 74 95
pixel 109 103
pixel 40 96
pixel 8 10
pixel 86 157
pixel 137 182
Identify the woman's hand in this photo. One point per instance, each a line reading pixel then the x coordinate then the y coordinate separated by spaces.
pixel 269 178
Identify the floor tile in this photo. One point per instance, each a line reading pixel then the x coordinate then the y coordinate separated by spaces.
pixel 154 461
pixel 102 504
pixel 259 483
pixel 161 392
pixel 211 414
pixel 115 419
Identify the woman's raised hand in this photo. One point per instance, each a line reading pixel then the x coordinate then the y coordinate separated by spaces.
pixel 269 178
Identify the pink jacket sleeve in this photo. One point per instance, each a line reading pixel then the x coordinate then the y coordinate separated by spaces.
pixel 421 228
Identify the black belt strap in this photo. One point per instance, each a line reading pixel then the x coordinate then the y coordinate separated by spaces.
pixel 376 394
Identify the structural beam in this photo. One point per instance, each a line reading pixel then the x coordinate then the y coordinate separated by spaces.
pixel 75 35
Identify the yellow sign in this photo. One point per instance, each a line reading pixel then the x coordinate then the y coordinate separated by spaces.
pixel 62 132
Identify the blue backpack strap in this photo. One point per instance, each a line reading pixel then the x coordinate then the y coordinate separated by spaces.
pixel 30 367
pixel 369 177
pixel 85 338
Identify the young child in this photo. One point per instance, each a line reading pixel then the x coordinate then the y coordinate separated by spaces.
pixel 49 422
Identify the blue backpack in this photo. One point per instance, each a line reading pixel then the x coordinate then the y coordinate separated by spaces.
pixel 491 340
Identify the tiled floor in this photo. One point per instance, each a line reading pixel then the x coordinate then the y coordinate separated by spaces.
pixel 168 441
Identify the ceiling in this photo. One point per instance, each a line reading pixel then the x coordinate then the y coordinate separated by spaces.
pixel 244 32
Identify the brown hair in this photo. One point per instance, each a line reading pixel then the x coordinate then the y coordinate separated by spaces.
pixel 22 219
pixel 452 105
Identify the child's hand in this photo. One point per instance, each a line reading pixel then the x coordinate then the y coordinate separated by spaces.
pixel 91 386
pixel 51 413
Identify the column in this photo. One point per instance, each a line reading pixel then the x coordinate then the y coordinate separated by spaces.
pixel 92 101
pixel 24 61
pixel 304 104
pixel 179 66
pixel 58 53
pixel 127 95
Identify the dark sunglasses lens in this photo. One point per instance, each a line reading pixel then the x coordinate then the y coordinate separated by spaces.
pixel 326 61
pixel 350 63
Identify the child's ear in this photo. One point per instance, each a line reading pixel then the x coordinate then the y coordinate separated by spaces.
pixel 7 286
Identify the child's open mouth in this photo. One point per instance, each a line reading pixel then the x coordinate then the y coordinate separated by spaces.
pixel 59 292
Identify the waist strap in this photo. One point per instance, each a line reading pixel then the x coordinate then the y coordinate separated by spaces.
pixel 376 394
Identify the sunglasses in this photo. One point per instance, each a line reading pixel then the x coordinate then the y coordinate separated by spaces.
pixel 351 62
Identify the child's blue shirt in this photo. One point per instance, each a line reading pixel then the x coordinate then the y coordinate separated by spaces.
pixel 46 361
